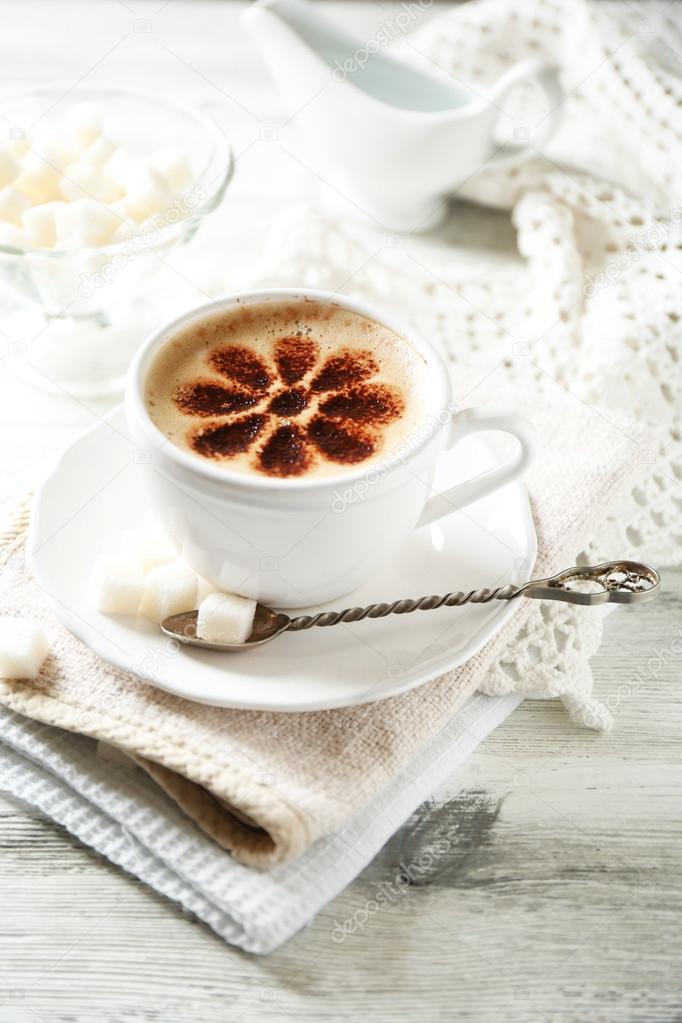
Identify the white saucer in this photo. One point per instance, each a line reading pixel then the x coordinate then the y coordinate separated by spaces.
pixel 95 491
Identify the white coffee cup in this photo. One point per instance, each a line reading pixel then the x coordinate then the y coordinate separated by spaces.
pixel 295 542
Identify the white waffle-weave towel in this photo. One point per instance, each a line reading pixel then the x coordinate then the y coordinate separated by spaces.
pixel 116 809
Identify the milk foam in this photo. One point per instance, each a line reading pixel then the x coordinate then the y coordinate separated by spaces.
pixel 394 391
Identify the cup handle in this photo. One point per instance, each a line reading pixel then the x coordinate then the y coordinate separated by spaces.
pixel 547 78
pixel 474 421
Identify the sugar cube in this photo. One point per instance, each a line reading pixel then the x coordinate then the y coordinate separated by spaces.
pixel 83 120
pixel 97 154
pixel 109 191
pixel 12 236
pixel 173 166
pixel 38 179
pixel 118 584
pixel 78 183
pixel 23 647
pixel 147 193
pixel 39 224
pixel 147 547
pixel 84 223
pixel 81 181
pixel 120 167
pixel 169 590
pixel 127 210
pixel 54 151
pixel 225 618
pixel 9 167
pixel 12 204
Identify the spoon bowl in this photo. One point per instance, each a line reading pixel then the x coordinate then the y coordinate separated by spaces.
pixel 266 625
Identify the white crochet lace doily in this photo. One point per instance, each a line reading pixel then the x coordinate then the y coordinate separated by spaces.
pixel 594 306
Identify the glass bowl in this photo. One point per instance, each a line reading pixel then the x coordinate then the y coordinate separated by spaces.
pixel 72 319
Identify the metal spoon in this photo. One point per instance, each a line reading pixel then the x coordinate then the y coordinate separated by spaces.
pixel 619 582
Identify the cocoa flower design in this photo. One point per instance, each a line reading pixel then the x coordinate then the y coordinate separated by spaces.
pixel 293 413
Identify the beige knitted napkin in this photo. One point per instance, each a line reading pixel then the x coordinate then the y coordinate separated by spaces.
pixel 266 785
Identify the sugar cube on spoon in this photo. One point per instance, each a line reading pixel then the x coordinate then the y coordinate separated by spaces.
pixel 225 618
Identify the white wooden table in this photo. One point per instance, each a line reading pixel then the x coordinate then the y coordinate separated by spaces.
pixel 561 897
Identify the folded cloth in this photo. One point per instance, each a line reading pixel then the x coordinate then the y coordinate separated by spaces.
pixel 266 786
pixel 117 810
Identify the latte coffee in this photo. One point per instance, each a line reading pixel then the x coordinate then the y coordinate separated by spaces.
pixel 288 389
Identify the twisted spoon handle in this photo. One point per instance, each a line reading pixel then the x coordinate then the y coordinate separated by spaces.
pixel 623 582
pixel 402 607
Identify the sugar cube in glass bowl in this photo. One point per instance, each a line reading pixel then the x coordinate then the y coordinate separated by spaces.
pixel 97 186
